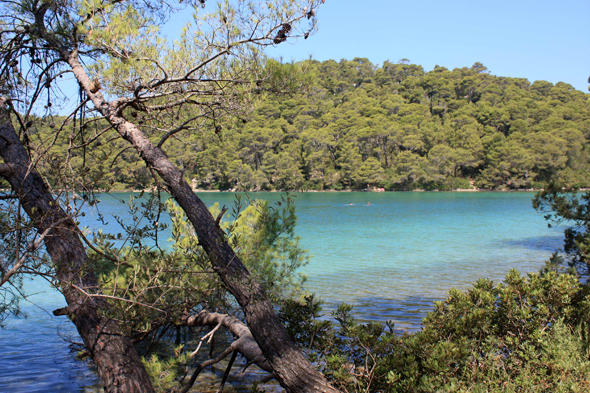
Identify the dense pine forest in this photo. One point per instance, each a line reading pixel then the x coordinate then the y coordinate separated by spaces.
pixel 365 126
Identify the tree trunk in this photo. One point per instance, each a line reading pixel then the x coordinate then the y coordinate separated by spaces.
pixel 118 364
pixel 294 371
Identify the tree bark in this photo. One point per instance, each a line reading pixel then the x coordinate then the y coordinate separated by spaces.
pixel 117 362
pixel 294 372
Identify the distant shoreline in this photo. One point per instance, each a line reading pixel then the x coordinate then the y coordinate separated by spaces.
pixel 345 190
pixel 378 192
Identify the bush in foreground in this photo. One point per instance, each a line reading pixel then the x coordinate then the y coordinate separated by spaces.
pixel 527 334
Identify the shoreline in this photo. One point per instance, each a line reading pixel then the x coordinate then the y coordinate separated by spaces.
pixel 374 191
pixel 343 191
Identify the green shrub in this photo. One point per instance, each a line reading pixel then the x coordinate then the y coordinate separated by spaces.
pixel 150 288
pixel 527 334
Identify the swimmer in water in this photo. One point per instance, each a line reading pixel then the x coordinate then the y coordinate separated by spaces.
pixel 368 203
pixel 350 204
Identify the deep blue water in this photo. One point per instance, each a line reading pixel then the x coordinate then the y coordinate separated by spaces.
pixel 391 260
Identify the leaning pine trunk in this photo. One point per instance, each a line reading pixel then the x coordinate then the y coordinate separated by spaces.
pixel 294 372
pixel 117 362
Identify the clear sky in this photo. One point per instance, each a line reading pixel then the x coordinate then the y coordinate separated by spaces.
pixel 534 39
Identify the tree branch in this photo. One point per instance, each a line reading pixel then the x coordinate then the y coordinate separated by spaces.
pixel 245 344
pixel 227 370
pixel 30 248
pixel 203 365
pixel 181 127
pixel 101 295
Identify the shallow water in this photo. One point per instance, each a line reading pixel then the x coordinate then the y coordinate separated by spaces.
pixel 391 260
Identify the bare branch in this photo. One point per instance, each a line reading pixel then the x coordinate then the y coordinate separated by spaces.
pixel 30 248
pixel 203 365
pixel 100 295
pixel 181 127
pixel 245 344
pixel 208 337
pixel 95 137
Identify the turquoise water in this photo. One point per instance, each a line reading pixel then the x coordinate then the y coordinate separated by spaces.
pixel 394 258
pixel 391 260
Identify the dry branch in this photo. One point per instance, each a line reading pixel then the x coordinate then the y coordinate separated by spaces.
pixel 245 344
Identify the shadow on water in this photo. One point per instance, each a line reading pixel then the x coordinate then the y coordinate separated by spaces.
pixel 538 243
pixel 407 313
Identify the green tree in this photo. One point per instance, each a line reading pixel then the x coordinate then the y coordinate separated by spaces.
pixel 369 109
pixel 563 206
pixel 149 90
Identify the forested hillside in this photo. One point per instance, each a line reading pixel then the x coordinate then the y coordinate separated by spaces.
pixel 394 126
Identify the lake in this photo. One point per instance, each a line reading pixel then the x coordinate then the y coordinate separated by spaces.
pixel 390 259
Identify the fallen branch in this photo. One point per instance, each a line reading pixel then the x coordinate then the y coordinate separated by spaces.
pixel 245 344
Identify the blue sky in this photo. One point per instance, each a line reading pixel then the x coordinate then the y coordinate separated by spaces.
pixel 533 39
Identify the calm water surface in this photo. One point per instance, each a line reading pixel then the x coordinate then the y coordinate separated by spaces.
pixel 391 260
